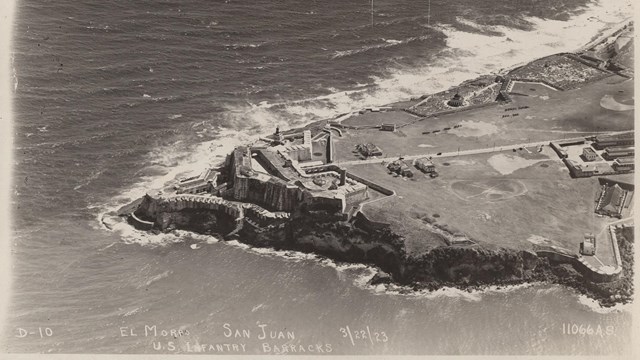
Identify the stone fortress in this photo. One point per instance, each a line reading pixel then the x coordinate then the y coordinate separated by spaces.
pixel 265 185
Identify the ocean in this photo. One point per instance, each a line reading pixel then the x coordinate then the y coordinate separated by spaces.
pixel 114 97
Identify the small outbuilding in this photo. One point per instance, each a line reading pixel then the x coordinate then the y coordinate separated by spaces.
pixel 588 246
pixel 388 127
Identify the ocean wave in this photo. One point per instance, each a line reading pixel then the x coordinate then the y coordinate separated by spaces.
pixel 384 45
pixel 155 278
pixel 167 163
pixel 247 45
pixel 472 295
pixel 468 55
pixel 69 142
pixel 108 221
pixel 112 90
pixel 257 307
pixel 405 291
pixel 491 30
pixel 133 311
pixel 86 181
pixel 359 274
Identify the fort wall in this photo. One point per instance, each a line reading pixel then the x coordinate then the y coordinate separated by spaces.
pixel 271 194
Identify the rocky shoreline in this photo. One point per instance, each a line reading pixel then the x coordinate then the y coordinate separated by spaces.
pixel 464 268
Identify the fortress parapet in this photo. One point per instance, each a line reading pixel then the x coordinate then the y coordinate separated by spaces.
pixel 286 177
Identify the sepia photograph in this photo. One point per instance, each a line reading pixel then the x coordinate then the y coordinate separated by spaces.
pixel 317 178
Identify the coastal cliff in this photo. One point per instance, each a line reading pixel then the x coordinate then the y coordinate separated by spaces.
pixel 352 240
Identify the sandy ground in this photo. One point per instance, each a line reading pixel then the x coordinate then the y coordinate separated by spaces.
pixel 474 128
pixel 538 240
pixel 609 103
pixel 506 164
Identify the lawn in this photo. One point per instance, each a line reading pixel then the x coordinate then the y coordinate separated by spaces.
pixel 536 204
pixel 552 116
pixel 378 118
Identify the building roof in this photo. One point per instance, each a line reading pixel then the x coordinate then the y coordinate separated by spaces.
pixel 625 136
pixel 589 150
pixel 625 161
pixel 620 148
pixel 424 161
pixel 457 97
pixel 611 198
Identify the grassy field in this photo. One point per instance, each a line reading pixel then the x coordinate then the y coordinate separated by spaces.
pixel 537 203
pixel 551 115
pixel 378 118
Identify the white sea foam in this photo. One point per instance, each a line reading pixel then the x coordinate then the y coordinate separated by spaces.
pixel 467 55
pixel 132 312
pixel 396 290
pixel 386 44
pixel 362 273
pixel 467 295
pixel 107 247
pixel 130 235
pixel 158 277
pixel 594 306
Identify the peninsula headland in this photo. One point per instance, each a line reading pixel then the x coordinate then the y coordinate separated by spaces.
pixel 522 176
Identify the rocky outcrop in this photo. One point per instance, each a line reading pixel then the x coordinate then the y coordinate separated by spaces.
pixel 189 212
pixel 474 265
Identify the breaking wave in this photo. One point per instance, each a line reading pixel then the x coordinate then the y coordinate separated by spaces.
pixel 386 44
pixel 467 55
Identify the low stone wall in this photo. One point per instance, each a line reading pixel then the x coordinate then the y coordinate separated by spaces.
pixel 182 202
pixel 586 63
pixel 159 207
pixel 139 223
pixel 371 184
pixel 556 256
pixel 541 81
pixel 558 149
pixel 594 274
pixel 363 222
pixel 581 265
